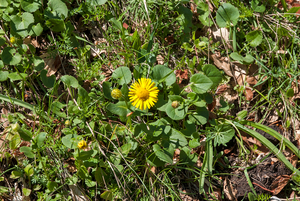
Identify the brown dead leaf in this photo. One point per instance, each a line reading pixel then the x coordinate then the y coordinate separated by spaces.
pixel 160 60
pixel 222 63
pixel 279 183
pixel 125 25
pixel 229 190
pixel 221 89
pixel 248 93
pixel 212 105
pixel 52 64
pixel 182 75
pixel 170 39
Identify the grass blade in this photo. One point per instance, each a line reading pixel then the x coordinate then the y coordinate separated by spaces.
pixel 15 101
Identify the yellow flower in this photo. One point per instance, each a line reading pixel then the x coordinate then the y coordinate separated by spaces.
pixel 116 94
pixel 143 93
pixel 12 40
pixel 82 144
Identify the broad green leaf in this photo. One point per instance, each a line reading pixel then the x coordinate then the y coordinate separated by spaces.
pixel 290 92
pixel 40 138
pixel 200 83
pixel 70 81
pixel 106 87
pixel 175 98
pixel 176 113
pixel 187 156
pixel 36 30
pixel 227 15
pixel 203 11
pixel 26 191
pixel 52 185
pixel 59 7
pixel 194 143
pixel 213 74
pixel 255 6
pixel 2 40
pixel 25 134
pixel 125 149
pixel 22 24
pixel 38 63
pixel 47 81
pixel 56 25
pixel 107 195
pixel 254 38
pixel 199 117
pixel 85 155
pixel 116 24
pixel 162 154
pixel 3 3
pixel 56 109
pixel 96 2
pixel 27 151
pixel 16 174
pixel 123 75
pixel 70 141
pixel 17 76
pixel 161 73
pixel 3 75
pixel 178 138
pixel 222 134
pixel 30 5
pixel 236 56
pixel 29 170
pixel 119 108
pixel 11 56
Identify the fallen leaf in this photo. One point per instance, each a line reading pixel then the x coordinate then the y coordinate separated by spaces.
pixel 160 60
pixel 125 25
pixel 229 190
pixel 248 93
pixel 52 64
pixel 279 183
pixel 221 89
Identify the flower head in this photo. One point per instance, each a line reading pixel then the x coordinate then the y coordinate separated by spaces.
pixel 82 144
pixel 143 93
pixel 12 40
pixel 116 93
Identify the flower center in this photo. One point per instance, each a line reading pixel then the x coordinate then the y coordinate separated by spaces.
pixel 142 94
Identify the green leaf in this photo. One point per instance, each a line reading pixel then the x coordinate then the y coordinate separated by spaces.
pixel 14 142
pixel 17 102
pixel 40 138
pixel 51 185
pixel 11 56
pixel 27 151
pixel 200 117
pixel 56 25
pixel 38 63
pixel 175 98
pixel 123 75
pixel 30 5
pixel 47 81
pixel 176 113
pixel 36 30
pixel 161 73
pixel 3 75
pixel 200 83
pixel 59 7
pixel 222 134
pixel 242 114
pixel 85 155
pixel 125 149
pixel 254 38
pixel 56 109
pixel 2 40
pixel 16 174
pixel 17 76
pixel 107 90
pixel 22 24
pixel 255 6
pixel 107 195
pixel 187 156
pixel 236 56
pixel 203 11
pixel 29 170
pixel 290 92
pixel 70 81
pixel 26 191
pixel 162 154
pixel 119 108
pixel 194 143
pixel 116 24
pixel 213 74
pixel 96 2
pixel 25 134
pixel 3 3
pixel 227 14
pixel 178 138
pixel 70 141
